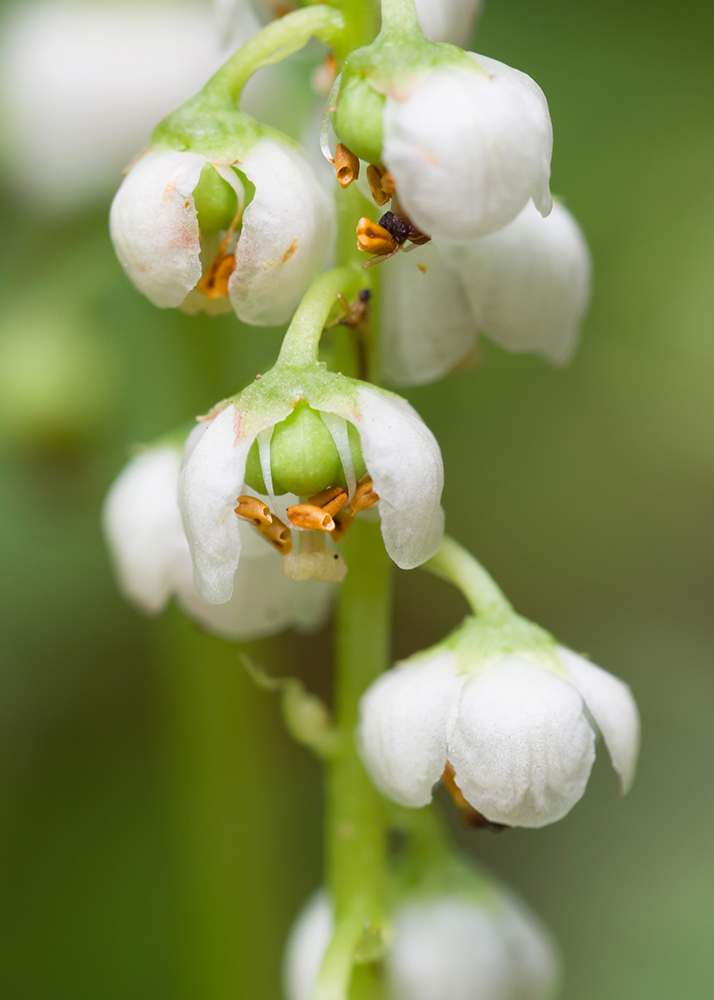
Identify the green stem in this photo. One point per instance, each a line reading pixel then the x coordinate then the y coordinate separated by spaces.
pixel 276 41
pixel 303 336
pixel 400 16
pixel 454 563
pixel 361 26
pixel 356 821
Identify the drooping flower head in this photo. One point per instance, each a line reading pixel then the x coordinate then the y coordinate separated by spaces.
pixel 144 532
pixel 506 715
pixel 460 938
pixel 459 142
pixel 221 213
pixel 342 446
pixel 526 287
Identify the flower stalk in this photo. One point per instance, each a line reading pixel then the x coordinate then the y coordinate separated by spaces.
pixel 454 563
pixel 303 337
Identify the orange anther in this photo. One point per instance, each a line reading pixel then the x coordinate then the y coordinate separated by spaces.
pixel 346 165
pixel 372 238
pixel 253 510
pixel 330 500
pixel 278 534
pixel 343 523
pixel 381 184
pixel 364 496
pixel 305 515
pixel 214 283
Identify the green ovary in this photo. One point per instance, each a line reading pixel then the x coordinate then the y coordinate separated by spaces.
pixel 357 119
pixel 303 456
pixel 215 200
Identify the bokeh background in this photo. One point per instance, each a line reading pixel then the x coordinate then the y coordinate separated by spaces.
pixel 159 830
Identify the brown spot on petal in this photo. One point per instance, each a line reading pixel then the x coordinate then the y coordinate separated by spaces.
pixel 289 252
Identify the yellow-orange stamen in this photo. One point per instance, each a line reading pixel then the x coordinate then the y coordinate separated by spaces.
pixel 346 165
pixel 278 534
pixel 364 495
pixel 330 500
pixel 343 523
pixel 373 238
pixel 381 184
pixel 253 510
pixel 214 283
pixel 306 515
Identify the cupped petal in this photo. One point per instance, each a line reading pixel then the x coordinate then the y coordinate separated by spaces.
pixel 286 232
pixel 448 20
pixel 609 700
pixel 142 526
pixel 404 460
pixel 520 744
pixel 467 149
pixel 211 480
pixel 426 320
pixel 404 718
pixel 534 955
pixel 306 947
pixel 529 283
pixel 154 226
pixel 448 949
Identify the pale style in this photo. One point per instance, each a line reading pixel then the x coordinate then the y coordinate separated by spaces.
pixel 400 453
pixel 468 149
pixel 518 732
pixel 444 948
pixel 280 244
pixel 526 287
pixel 142 525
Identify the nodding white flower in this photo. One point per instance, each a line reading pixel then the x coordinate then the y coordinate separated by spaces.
pixel 339 444
pixel 83 85
pixel 527 287
pixel 142 525
pixel 204 248
pixel 515 732
pixel 444 947
pixel 467 149
pixel 448 20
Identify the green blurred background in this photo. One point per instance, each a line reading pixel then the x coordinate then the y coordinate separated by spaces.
pixel 156 823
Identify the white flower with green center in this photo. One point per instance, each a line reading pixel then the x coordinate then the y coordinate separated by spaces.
pixel 526 287
pixel 445 947
pixel 467 140
pixel 245 230
pixel 305 431
pixel 142 525
pixel 506 712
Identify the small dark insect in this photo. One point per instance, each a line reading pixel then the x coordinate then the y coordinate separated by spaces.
pixel 402 229
pixel 388 236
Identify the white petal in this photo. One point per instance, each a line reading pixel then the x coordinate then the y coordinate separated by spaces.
pixel 426 321
pixel 529 283
pixel 306 947
pixel 264 601
pixel 448 20
pixel 521 745
pixel 285 234
pixel 448 949
pixel 211 480
pixel 142 525
pixel 89 82
pixel 610 702
pixel 403 458
pixel 468 150
pixel 154 226
pixel 404 718
pixel 534 955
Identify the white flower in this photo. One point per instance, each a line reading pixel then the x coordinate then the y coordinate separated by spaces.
pixel 282 238
pixel 517 732
pixel 400 454
pixel 83 85
pixel 448 20
pixel 527 287
pixel 467 150
pixel 444 948
pixel 143 528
